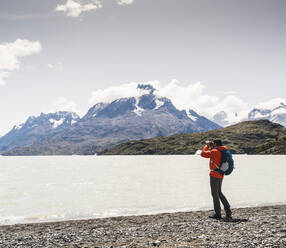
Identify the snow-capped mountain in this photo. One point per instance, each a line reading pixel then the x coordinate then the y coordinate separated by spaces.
pixel 273 110
pixel 202 121
pixel 149 109
pixel 108 124
pixel 275 114
pixel 36 128
pixel 221 118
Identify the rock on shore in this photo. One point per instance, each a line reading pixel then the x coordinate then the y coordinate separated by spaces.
pixel 251 227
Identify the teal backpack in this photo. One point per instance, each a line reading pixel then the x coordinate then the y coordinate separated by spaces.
pixel 227 164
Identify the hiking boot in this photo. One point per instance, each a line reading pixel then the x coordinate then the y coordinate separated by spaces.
pixel 216 217
pixel 228 214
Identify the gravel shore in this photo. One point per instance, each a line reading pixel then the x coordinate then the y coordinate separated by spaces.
pixel 251 227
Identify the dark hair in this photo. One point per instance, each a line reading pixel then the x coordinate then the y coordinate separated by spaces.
pixel 217 142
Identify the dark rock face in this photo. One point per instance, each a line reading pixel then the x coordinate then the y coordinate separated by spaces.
pixel 92 112
pixel 147 102
pixel 106 125
pixel 117 108
pixel 203 122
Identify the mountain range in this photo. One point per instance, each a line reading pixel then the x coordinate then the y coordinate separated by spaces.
pixel 274 113
pixel 104 125
pixel 36 129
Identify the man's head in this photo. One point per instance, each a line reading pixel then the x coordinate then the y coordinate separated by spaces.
pixel 217 142
pixel 213 143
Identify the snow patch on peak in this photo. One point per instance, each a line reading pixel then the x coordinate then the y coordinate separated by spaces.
pixel 19 126
pixel 138 111
pixel 159 103
pixel 192 117
pixel 73 122
pixel 279 111
pixel 57 123
pixel 74 115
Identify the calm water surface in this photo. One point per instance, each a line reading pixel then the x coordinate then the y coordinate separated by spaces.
pixel 36 189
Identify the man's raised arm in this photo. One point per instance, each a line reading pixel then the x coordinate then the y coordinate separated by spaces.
pixel 205 152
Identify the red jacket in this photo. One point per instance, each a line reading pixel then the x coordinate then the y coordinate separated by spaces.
pixel 215 159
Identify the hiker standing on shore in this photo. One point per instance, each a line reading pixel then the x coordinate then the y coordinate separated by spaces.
pixel 212 150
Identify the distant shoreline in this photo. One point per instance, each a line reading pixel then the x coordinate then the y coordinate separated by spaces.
pixel 254 226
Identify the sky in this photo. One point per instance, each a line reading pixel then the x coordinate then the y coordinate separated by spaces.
pixel 208 55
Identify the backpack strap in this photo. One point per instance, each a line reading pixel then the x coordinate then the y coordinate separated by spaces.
pixel 217 167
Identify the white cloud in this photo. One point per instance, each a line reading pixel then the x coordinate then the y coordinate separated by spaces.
pixel 112 93
pixel 56 66
pixel 233 103
pixel 229 92
pixel 74 8
pixel 194 96
pixel 10 53
pixel 3 74
pixel 271 104
pixel 190 96
pixel 125 2
pixel 235 108
pixel 63 104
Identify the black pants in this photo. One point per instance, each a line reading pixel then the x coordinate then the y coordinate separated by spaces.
pixel 218 195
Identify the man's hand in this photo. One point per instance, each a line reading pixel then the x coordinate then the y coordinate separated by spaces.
pixel 210 144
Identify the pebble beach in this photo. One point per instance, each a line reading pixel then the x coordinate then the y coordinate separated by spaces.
pixel 250 227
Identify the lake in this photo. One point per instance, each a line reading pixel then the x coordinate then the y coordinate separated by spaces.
pixel 55 188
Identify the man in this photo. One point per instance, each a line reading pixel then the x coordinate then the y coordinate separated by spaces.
pixel 212 150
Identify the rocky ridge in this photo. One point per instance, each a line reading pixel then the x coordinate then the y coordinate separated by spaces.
pixel 250 137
